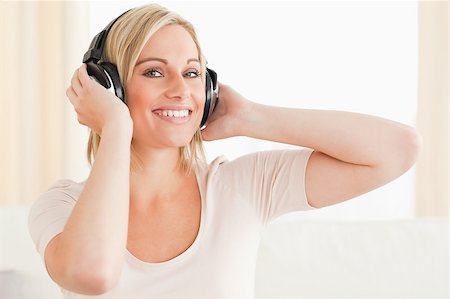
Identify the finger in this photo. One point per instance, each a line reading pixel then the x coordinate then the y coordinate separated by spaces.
pixel 75 83
pixel 220 84
pixel 83 75
pixel 206 136
pixel 71 95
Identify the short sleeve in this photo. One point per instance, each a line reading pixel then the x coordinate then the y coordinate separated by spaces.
pixel 50 212
pixel 273 181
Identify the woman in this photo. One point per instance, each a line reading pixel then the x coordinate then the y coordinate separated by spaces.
pixel 173 225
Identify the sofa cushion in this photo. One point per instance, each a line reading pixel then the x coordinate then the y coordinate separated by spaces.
pixel 331 259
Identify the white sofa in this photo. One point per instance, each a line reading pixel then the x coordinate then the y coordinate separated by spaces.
pixel 298 258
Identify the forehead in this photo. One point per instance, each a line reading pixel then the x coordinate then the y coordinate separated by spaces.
pixel 170 42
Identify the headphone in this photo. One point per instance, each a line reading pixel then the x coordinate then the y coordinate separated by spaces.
pixel 107 75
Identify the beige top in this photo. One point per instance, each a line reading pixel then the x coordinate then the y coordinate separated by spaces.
pixel 239 198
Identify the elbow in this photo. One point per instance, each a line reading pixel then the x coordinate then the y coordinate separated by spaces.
pixel 410 146
pixel 401 156
pixel 94 280
pixel 414 147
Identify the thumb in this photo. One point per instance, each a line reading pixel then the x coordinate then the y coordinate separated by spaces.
pixel 206 135
pixel 209 133
pixel 215 130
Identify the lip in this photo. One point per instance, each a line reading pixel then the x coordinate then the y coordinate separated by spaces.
pixel 174 120
pixel 173 108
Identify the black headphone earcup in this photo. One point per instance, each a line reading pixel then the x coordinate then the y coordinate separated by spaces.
pixel 106 75
pixel 114 79
pixel 211 95
pixel 208 91
pixel 96 72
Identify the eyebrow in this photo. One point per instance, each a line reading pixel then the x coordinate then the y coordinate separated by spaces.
pixel 163 60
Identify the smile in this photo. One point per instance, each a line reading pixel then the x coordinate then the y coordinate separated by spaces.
pixel 174 116
pixel 173 113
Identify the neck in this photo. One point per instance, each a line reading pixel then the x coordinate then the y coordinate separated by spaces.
pixel 159 180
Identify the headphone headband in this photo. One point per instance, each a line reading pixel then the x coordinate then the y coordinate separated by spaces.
pixel 94 53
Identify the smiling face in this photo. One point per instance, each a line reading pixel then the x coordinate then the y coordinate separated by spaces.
pixel 166 94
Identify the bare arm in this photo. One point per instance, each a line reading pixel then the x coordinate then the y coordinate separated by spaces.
pixel 354 153
pixel 87 256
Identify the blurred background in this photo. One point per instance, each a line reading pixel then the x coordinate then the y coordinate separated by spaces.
pixel 385 58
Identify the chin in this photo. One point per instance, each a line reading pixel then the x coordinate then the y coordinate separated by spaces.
pixel 179 142
pixel 165 136
pixel 177 139
pixel 182 141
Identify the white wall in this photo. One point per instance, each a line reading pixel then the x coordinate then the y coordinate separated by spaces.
pixel 353 56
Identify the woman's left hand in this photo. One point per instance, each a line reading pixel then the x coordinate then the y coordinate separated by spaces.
pixel 229 115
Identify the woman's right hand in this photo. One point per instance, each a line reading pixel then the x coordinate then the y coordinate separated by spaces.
pixel 95 106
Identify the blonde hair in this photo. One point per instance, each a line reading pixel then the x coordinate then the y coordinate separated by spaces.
pixel 124 43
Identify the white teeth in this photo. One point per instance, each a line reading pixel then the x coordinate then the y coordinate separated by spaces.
pixel 173 113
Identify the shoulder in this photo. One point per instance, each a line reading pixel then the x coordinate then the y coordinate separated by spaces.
pixel 58 200
pixel 66 186
pixel 257 163
pixel 64 190
pixel 259 159
pixel 212 167
pixel 49 212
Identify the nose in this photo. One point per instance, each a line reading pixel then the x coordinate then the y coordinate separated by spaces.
pixel 178 88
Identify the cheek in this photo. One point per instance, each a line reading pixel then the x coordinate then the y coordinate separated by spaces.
pixel 134 104
pixel 138 97
pixel 200 97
